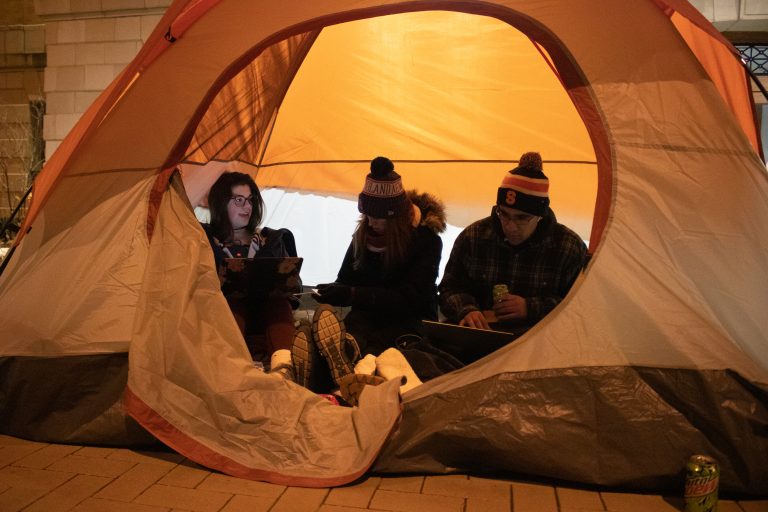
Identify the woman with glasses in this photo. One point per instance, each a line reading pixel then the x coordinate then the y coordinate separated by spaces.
pixel 266 322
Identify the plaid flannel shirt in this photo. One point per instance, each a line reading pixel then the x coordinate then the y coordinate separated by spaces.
pixel 542 269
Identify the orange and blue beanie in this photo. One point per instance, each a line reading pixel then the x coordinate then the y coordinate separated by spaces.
pixel 526 187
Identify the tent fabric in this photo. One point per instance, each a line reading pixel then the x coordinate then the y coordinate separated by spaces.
pixel 181 15
pixel 423 110
pixel 238 122
pixel 192 384
pixel 728 74
pixel 635 414
pixel 661 340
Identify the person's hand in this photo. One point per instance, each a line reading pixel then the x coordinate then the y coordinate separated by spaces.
pixel 475 319
pixel 335 294
pixel 510 307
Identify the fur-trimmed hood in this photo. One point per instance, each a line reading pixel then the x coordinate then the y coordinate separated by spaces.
pixel 432 210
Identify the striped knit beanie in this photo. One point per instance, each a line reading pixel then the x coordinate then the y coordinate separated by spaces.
pixel 383 195
pixel 526 187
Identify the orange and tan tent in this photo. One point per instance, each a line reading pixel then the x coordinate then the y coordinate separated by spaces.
pixel 110 303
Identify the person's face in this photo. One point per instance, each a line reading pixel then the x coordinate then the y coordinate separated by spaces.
pixel 377 225
pixel 240 206
pixel 517 225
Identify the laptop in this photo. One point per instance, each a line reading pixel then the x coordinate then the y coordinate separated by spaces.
pixel 260 277
pixel 466 344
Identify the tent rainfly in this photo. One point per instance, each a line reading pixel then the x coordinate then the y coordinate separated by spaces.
pixel 115 331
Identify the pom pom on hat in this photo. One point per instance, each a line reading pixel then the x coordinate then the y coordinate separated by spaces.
pixel 383 195
pixel 381 166
pixel 526 187
pixel 531 160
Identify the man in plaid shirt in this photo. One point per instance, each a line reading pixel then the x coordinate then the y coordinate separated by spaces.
pixel 520 245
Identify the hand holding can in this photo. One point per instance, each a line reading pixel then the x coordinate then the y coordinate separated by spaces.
pixel 499 291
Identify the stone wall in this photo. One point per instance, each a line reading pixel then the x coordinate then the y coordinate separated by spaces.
pixel 18 12
pixel 88 43
pixel 22 60
pixel 735 15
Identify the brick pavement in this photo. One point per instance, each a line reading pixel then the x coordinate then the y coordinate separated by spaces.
pixel 41 477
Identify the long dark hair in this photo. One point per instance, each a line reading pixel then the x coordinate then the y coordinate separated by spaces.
pixel 397 237
pixel 218 199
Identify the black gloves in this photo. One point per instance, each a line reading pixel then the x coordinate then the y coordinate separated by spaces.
pixel 335 294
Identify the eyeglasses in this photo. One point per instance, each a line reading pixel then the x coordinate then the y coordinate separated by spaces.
pixel 241 200
pixel 520 220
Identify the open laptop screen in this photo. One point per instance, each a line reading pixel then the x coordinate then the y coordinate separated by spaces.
pixel 466 344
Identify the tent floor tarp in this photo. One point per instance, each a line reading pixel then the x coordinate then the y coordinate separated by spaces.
pixel 75 399
pixel 562 424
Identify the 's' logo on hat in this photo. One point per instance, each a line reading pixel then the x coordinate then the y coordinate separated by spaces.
pixel 511 197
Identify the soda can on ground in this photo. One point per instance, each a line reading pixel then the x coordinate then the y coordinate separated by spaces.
pixel 702 478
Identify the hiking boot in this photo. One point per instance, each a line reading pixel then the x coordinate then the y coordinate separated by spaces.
pixel 352 385
pixel 303 354
pixel 338 348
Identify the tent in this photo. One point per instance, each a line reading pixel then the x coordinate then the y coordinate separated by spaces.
pixel 110 303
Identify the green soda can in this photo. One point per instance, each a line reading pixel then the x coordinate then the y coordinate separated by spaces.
pixel 499 290
pixel 702 477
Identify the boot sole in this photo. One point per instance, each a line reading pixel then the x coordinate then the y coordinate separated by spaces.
pixel 302 355
pixel 329 334
pixel 352 385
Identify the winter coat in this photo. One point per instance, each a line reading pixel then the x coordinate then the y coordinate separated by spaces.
pixel 388 303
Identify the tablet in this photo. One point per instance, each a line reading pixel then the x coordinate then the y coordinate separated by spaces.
pixel 466 344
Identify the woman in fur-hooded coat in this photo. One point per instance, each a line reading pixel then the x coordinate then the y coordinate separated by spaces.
pixel 389 271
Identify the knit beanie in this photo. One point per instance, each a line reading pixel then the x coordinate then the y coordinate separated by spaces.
pixel 383 195
pixel 526 187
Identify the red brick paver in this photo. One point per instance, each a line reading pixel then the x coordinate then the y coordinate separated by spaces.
pixel 38 477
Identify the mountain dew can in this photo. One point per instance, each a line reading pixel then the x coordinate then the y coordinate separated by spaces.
pixel 499 290
pixel 702 477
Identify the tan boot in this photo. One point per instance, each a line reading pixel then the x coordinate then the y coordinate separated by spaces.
pixel 303 354
pixel 338 348
pixel 351 386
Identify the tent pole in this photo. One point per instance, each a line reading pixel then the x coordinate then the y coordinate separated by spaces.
pixel 8 223
pixel 15 211
pixel 6 260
